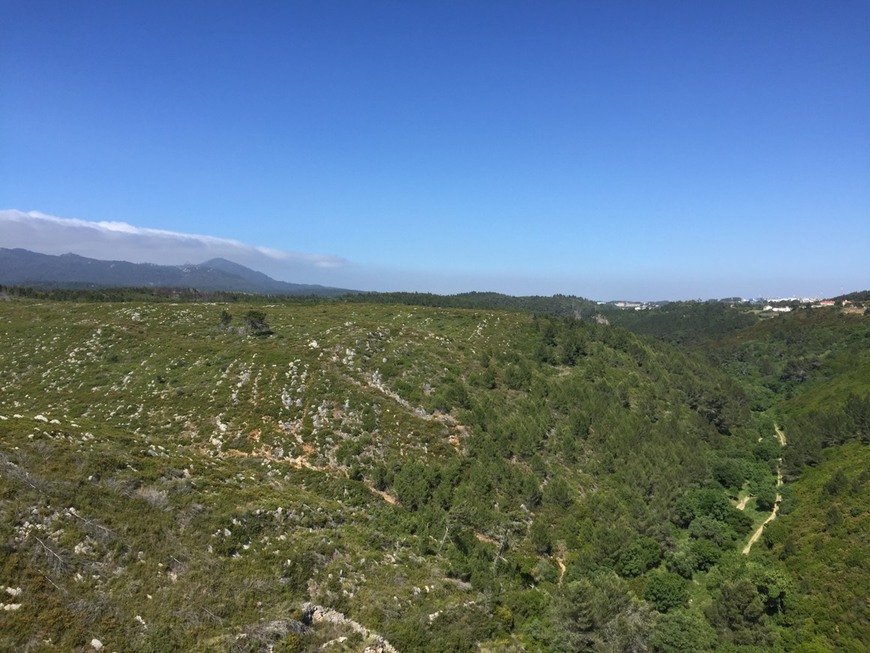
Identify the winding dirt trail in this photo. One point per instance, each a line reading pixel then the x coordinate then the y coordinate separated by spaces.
pixel 780 435
pixel 562 569
pixel 775 511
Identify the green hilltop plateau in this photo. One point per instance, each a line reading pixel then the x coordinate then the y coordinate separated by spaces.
pixel 364 476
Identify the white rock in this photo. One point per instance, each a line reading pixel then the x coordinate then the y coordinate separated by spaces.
pixel 13 591
pixel 9 607
pixel 41 418
pixel 97 644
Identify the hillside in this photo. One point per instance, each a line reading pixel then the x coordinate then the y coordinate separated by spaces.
pixel 557 305
pixel 448 479
pixel 812 369
pixel 822 543
pixel 687 323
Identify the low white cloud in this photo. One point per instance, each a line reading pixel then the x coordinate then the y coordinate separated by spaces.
pixel 116 240
pixel 50 234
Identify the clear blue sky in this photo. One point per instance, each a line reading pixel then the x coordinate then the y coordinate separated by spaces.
pixel 607 149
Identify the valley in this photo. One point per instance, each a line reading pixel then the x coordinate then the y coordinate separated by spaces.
pixel 446 479
pixel 757 534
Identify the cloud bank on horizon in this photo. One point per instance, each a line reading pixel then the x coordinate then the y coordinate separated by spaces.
pixel 48 234
pixel 117 240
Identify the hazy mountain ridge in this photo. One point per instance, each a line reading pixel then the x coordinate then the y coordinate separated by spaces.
pixel 23 267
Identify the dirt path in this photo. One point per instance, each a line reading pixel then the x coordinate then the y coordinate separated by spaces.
pixel 780 435
pixel 775 511
pixel 742 503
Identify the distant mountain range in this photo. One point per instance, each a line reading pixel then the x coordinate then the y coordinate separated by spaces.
pixel 22 267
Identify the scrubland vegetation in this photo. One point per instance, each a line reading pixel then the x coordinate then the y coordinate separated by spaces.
pixel 360 476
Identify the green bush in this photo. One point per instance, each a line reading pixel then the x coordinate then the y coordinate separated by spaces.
pixel 666 590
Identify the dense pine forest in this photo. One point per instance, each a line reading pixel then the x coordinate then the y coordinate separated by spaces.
pixel 415 473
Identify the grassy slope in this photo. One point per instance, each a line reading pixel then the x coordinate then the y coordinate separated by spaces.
pixel 207 483
pixel 159 413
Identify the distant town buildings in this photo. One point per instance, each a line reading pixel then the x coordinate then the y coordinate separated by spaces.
pixel 636 306
pixel 764 304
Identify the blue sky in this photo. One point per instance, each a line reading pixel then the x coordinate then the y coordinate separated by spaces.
pixel 647 150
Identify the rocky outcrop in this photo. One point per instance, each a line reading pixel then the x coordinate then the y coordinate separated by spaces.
pixel 314 614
